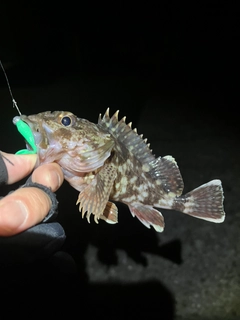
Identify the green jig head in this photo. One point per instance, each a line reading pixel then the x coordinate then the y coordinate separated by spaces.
pixel 26 132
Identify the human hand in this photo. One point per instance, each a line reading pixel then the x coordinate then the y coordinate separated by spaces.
pixel 27 206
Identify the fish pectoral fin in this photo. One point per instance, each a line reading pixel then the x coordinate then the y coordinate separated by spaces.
pixel 93 199
pixel 148 216
pixel 110 213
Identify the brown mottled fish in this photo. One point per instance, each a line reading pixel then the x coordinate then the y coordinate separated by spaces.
pixel 109 160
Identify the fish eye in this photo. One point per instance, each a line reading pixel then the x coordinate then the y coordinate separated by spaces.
pixel 66 121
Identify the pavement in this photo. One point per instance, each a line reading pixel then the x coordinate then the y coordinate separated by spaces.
pixel 191 270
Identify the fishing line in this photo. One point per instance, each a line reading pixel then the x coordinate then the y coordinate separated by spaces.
pixel 9 88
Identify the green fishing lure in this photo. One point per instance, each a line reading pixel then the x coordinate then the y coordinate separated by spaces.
pixel 26 132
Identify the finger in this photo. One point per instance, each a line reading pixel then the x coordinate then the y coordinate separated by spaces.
pixel 18 166
pixel 23 209
pixel 50 175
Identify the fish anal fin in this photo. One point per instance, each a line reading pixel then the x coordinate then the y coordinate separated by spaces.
pixel 110 213
pixel 93 199
pixel 148 216
pixel 204 202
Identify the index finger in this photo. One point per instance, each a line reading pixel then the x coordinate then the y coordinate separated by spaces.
pixel 18 166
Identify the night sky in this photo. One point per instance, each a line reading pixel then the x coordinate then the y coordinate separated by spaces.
pixel 180 45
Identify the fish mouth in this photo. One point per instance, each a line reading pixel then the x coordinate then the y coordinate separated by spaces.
pixel 26 131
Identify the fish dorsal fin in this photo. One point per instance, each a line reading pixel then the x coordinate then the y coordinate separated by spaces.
pixel 165 169
pixel 126 136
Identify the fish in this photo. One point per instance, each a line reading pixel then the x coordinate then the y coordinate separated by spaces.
pixel 109 162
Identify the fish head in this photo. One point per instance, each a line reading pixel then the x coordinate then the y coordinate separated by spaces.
pixel 60 136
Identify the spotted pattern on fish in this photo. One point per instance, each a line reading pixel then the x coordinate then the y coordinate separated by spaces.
pixel 111 161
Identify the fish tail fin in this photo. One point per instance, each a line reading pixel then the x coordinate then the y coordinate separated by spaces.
pixel 204 202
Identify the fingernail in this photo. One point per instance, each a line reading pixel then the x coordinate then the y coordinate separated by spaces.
pixel 12 215
pixel 55 180
pixel 58 179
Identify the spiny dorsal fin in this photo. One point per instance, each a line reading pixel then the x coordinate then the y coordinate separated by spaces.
pixel 163 169
pixel 124 134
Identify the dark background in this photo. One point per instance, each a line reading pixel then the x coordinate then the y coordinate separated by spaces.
pixel 172 69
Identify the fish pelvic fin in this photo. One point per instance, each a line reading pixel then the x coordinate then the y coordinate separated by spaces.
pixel 204 202
pixel 148 216
pixel 110 213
